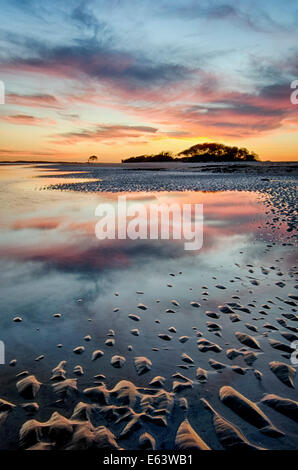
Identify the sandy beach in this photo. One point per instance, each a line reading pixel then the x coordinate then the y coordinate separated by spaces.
pixel 122 345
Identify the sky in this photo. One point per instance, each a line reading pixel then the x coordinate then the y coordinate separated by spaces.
pixel 120 78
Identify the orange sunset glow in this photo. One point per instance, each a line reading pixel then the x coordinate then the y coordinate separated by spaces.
pixel 116 80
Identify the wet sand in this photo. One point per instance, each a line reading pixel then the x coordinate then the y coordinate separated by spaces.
pixel 197 356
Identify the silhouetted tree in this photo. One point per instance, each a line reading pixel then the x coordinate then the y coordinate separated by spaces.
pixel 213 152
pixel 92 159
pixel 206 152
pixel 160 157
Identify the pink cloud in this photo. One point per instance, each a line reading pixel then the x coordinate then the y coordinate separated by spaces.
pixel 34 101
pixel 27 120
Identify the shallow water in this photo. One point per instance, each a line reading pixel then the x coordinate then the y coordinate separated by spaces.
pixel 52 262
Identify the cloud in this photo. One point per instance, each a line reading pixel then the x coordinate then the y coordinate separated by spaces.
pixel 254 17
pixel 107 132
pixel 38 223
pixel 84 17
pixel 27 120
pixel 9 152
pixel 34 101
pixel 99 62
pixel 223 113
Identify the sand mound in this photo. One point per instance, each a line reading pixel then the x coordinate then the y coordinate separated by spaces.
pixel 183 403
pixel 247 340
pixel 66 388
pixel 219 366
pixel 6 405
pixel 233 353
pixel 228 434
pixel 205 345
pixel 181 386
pixel 285 406
pixel 98 394
pixel 188 439
pixel 83 411
pixel 201 375
pixel 250 357
pixel 147 442
pixel 280 346
pixel 59 372
pixel 248 410
pixel 30 407
pixel 186 358
pixel 284 372
pixel 158 381
pixel 142 365
pixel 57 429
pixel 28 387
pixel 126 392
pixel 97 354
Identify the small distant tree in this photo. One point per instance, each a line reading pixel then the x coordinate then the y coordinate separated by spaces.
pixel 92 159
